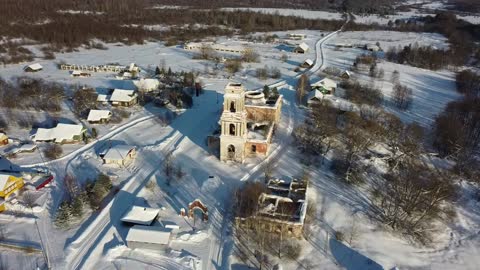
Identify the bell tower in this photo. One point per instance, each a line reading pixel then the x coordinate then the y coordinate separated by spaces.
pixel 233 124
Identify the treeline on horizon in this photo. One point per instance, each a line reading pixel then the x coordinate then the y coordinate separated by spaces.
pixel 70 30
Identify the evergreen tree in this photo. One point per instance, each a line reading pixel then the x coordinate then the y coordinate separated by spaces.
pixel 63 215
pixel 275 92
pixel 266 91
pixel 77 207
pixel 158 71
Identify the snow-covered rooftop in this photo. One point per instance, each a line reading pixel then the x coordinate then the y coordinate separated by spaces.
pixel 102 98
pixel 118 152
pixel 140 215
pixel 59 133
pixel 309 62
pixel 149 234
pixel 303 46
pixel 97 115
pixel 326 83
pixel 3 180
pixel 122 95
pixel 35 66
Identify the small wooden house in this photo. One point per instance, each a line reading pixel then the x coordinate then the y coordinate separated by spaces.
pixel 302 48
pixel 326 86
pixel 99 116
pixel 308 63
pixel 119 154
pixel 346 75
pixel 62 133
pixel 9 184
pixel 121 97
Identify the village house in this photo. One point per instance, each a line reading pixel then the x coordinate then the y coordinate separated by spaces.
pixel 3 139
pixel 302 48
pixel 122 97
pixel 140 215
pixel 326 86
pixel 121 155
pixel 33 68
pixel 282 209
pixel 308 63
pixel 247 123
pixel 99 116
pixel 62 133
pixel 8 185
pixel 314 97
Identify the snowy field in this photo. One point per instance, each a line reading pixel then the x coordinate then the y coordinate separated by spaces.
pixel 432 90
pixel 369 19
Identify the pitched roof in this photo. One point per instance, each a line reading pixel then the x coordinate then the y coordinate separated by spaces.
pixel 308 62
pixel 35 66
pixel 59 133
pixel 303 46
pixel 140 215
pixel 97 115
pixel 122 95
pixel 148 234
pixel 3 180
pixel 314 94
pixel 102 98
pixel 118 152
pixel 325 82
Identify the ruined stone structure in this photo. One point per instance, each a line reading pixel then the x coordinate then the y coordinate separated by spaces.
pixel 247 123
pixel 281 210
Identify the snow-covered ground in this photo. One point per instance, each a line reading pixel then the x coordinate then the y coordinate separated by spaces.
pixel 98 241
pixel 432 90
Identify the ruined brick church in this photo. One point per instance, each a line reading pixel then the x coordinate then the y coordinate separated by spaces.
pixel 247 123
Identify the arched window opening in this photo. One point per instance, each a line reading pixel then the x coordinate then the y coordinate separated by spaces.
pixel 232 106
pixel 232 129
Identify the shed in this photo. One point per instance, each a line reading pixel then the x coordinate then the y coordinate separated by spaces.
pixel 120 154
pixel 99 116
pixel 122 97
pixel 302 48
pixel 140 215
pixel 33 68
pixel 307 63
pixel 346 75
pixel 148 237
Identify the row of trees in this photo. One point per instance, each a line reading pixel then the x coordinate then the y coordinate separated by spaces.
pixel 124 22
pixel 422 56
